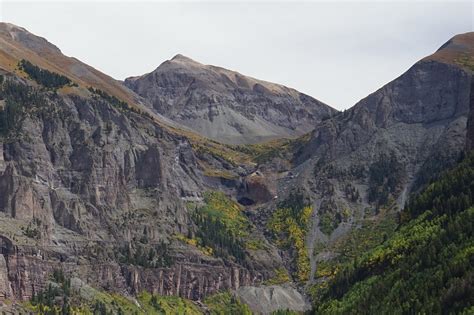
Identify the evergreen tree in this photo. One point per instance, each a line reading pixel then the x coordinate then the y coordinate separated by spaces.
pixel 42 76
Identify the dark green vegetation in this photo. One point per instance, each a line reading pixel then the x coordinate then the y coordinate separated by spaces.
pixel 115 102
pixel 44 77
pixel 109 98
pixel 145 255
pixel 62 297
pixel 426 266
pixel 33 230
pixel 9 117
pixel 384 177
pixel 55 299
pixel 15 98
pixel 328 218
pixel 433 167
pixel 221 226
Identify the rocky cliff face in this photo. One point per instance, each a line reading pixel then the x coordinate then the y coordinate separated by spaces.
pixel 80 180
pixel 368 159
pixel 92 185
pixel 225 105
pixel 25 273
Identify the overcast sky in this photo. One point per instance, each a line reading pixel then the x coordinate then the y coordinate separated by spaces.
pixel 337 52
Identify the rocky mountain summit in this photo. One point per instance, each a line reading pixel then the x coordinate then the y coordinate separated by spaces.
pixel 113 198
pixel 225 105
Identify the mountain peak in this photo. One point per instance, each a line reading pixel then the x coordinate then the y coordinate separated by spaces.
pixel 225 105
pixel 458 50
pixel 461 42
pixel 11 27
pixel 26 39
pixel 183 59
pixel 180 57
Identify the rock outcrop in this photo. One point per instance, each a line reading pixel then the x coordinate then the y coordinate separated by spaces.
pixel 23 275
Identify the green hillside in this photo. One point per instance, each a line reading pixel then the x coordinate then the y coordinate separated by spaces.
pixel 425 267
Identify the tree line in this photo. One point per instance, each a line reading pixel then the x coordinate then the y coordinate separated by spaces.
pixel 44 77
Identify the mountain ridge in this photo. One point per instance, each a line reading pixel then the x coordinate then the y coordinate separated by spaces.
pixel 370 158
pixel 225 105
pixel 19 44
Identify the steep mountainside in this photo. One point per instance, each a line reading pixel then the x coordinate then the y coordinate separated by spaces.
pixel 226 106
pixel 94 185
pixel 16 43
pixel 425 267
pixel 359 168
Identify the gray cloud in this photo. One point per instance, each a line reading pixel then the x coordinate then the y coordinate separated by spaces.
pixel 337 52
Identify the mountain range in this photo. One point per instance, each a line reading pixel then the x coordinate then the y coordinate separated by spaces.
pixel 195 189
